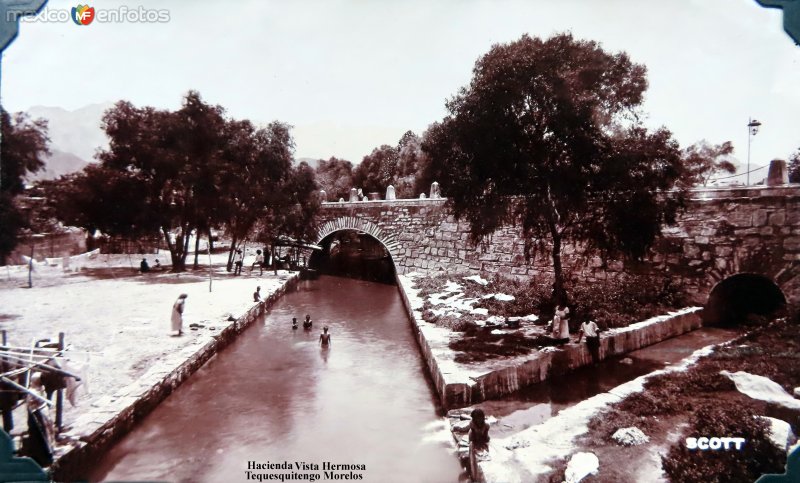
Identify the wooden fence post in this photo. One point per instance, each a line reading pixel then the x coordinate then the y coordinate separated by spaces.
pixel 60 392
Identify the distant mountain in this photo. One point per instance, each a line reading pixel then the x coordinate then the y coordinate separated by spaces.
pixel 75 132
pixel 58 164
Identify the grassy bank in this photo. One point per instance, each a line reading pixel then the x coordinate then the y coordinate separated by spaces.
pixel 702 402
pixel 479 309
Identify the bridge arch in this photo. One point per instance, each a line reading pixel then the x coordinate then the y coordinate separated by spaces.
pixel 388 240
pixel 734 298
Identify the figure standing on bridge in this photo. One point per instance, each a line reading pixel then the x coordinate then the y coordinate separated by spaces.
pixel 325 337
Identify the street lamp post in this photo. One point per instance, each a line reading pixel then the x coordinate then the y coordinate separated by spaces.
pixel 752 130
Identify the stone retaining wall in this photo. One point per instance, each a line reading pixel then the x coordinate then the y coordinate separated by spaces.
pixel 120 413
pixel 571 356
pixel 460 385
pixel 723 231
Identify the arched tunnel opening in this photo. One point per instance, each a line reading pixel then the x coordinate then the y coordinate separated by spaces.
pixel 354 254
pixel 738 298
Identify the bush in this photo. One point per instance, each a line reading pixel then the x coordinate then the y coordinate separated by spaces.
pixel 622 301
pixel 757 456
pixel 612 303
pixel 650 404
pixel 605 424
pixel 479 344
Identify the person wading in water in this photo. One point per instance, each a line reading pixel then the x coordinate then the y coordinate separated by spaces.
pixel 325 337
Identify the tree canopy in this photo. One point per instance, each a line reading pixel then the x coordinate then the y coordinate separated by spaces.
pixel 377 170
pixel 399 166
pixel 547 136
pixel 703 161
pixel 179 172
pixel 335 176
pixel 22 152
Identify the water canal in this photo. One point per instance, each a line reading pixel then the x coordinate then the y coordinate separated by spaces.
pixel 274 395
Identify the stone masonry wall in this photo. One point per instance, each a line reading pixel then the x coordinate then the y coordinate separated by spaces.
pixel 723 232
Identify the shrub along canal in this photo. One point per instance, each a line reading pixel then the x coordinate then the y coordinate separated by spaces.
pixel 275 396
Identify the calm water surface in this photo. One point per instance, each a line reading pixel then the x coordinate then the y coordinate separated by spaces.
pixel 274 395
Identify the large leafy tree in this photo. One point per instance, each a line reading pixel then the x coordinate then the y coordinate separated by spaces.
pixel 178 172
pixel 399 166
pixel 296 216
pixel 155 150
pixel 22 152
pixel 411 160
pixel 377 170
pixel 104 199
pixel 257 165
pixel 703 161
pixel 547 136
pixel 335 176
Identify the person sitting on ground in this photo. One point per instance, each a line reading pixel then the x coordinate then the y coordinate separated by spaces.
pixel 157 265
pixel 259 261
pixel 325 337
pixel 144 267
pixel 257 295
pixel 478 429
pixel 478 439
pixel 294 323
pixel 307 323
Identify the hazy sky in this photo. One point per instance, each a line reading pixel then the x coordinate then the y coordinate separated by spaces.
pixel 353 74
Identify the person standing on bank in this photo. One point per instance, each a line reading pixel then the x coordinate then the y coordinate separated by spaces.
pixel 259 261
pixel 238 260
pixel 561 324
pixel 177 313
pixel 592 333
pixel 325 337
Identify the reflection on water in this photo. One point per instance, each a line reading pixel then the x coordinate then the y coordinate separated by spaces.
pixel 275 395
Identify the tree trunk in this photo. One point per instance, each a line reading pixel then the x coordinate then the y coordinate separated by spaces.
pixel 196 249
pixel 229 266
pixel 172 255
pixel 559 292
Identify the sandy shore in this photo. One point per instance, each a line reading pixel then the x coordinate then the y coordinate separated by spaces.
pixel 116 321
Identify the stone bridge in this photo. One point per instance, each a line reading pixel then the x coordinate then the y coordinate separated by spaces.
pixel 724 232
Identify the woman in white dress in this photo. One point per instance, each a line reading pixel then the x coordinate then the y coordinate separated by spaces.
pixel 177 313
pixel 561 323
